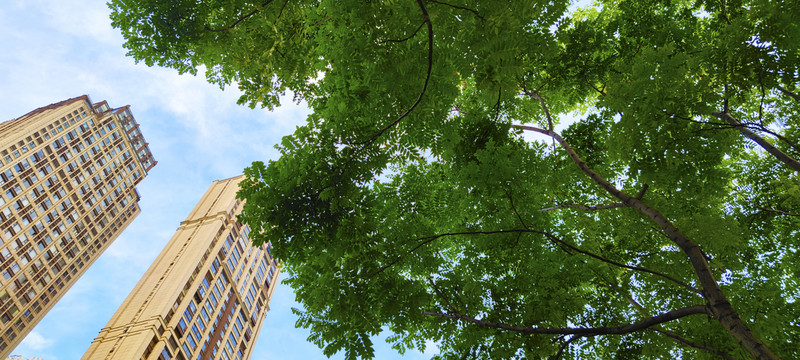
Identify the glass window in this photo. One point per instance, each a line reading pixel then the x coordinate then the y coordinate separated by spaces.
pixel 191 342
pixel 196 332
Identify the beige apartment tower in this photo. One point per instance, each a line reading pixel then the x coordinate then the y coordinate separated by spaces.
pixel 204 297
pixel 68 173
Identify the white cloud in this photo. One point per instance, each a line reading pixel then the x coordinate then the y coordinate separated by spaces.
pixel 36 341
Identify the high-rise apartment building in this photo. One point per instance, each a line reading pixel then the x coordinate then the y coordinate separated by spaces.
pixel 68 173
pixel 204 297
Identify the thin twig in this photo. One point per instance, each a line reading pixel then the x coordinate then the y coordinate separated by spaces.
pixel 427 21
pixel 563 346
pixel 231 26
pixel 584 207
pixel 514 208
pixel 436 289
pixel 406 38
pixel 460 8
pixel 759 206
pixel 684 341
pixel 428 239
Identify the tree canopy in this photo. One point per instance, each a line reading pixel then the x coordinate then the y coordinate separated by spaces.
pixel 655 214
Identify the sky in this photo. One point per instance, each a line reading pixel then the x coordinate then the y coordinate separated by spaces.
pixel 52 50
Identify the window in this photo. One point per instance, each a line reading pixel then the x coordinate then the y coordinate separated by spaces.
pixel 196 333
pixel 181 327
pixel 191 342
pixel 165 355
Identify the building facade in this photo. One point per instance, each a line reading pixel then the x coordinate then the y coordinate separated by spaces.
pixel 204 297
pixel 68 173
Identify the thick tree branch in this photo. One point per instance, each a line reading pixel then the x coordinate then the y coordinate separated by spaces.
pixel 721 307
pixel 231 26
pixel 544 106
pixel 776 135
pixel 722 126
pixel 583 331
pixel 777 153
pixel 787 92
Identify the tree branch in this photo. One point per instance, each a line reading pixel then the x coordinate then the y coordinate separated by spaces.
pixel 546 111
pixel 720 306
pixel 787 92
pixel 406 38
pixel 722 126
pixel 583 331
pixel 460 8
pixel 761 207
pixel 584 207
pixel 777 153
pixel 612 262
pixel 556 240
pixel 563 347
pixel 427 21
pixel 684 341
pixel 436 289
pixel 231 26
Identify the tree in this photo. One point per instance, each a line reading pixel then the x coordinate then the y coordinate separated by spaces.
pixel 661 222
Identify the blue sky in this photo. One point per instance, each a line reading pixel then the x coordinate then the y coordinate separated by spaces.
pixel 54 50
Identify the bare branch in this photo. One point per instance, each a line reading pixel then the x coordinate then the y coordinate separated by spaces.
pixel 428 239
pixel 777 153
pixel 776 135
pixel 583 331
pixel 601 91
pixel 231 26
pixel 519 217
pixel 460 8
pixel 724 14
